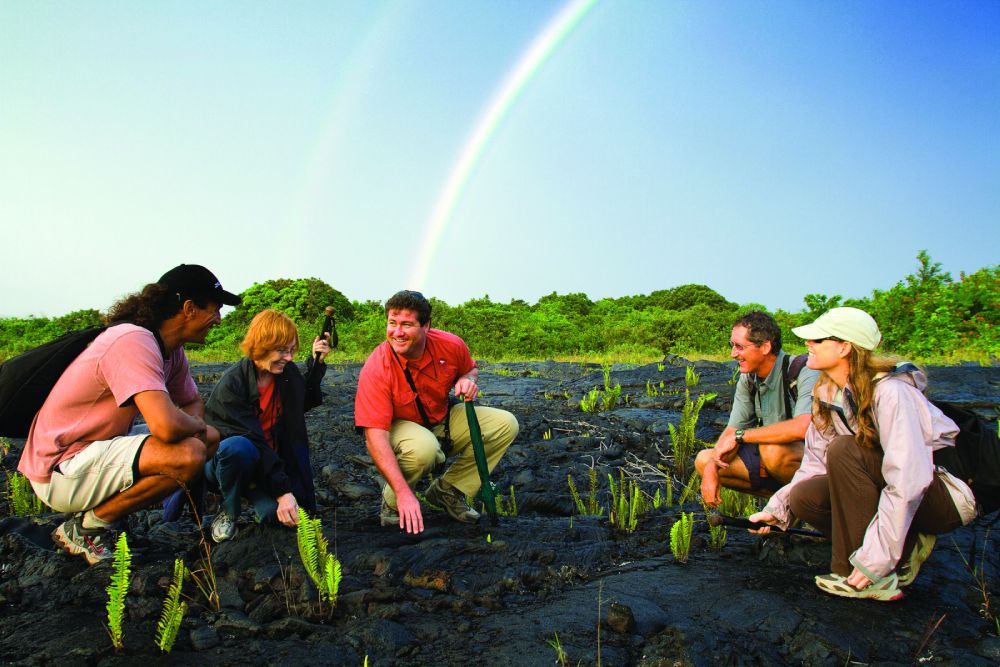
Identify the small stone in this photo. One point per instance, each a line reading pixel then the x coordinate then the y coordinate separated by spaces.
pixel 204 637
pixel 620 618
pixel 989 648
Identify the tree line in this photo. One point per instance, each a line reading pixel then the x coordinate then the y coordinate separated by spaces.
pixel 926 316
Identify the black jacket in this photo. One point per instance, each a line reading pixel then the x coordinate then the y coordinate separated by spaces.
pixel 234 406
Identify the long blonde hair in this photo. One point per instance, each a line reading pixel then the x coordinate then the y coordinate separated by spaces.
pixel 863 366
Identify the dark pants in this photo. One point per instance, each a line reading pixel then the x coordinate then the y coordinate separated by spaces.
pixel 843 502
pixel 232 471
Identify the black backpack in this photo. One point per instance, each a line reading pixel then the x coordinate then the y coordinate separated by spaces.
pixel 790 369
pixel 975 458
pixel 27 379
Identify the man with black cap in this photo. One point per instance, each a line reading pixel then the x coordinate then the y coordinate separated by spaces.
pixel 80 456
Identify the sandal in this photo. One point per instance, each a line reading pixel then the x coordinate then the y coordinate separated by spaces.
pixel 883 590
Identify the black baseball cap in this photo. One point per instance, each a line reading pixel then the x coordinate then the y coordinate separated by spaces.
pixel 192 281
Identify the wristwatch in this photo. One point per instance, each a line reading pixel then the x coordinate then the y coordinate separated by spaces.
pixel 739 435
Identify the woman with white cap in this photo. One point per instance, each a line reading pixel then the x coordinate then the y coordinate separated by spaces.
pixel 868 479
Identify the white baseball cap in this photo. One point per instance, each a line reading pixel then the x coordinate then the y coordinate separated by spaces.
pixel 851 324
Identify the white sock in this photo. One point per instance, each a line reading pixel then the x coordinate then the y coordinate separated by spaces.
pixel 91 520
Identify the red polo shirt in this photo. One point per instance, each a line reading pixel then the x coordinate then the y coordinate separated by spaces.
pixel 384 394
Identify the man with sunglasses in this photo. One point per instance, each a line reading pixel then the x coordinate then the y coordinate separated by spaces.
pixel 403 409
pixel 762 446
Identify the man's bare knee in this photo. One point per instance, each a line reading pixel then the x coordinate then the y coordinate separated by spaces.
pixel 182 460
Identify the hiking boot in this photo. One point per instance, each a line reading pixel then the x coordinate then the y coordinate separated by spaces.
pixel 223 527
pixel 451 500
pixel 883 590
pixel 388 516
pixel 909 568
pixel 94 544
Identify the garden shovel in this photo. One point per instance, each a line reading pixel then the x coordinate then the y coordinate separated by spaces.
pixel 479 452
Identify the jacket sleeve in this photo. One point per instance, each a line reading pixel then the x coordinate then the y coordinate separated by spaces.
pixel 813 465
pixel 904 425
pixel 314 384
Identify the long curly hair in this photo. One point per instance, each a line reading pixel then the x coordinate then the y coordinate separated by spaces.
pixel 150 307
pixel 863 367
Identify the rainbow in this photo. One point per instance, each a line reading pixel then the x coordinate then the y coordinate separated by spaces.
pixel 541 49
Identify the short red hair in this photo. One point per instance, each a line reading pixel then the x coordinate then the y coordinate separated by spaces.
pixel 269 330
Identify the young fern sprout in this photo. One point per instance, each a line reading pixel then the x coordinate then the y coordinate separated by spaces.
pixel 627 503
pixel 716 537
pixel 117 590
pixel 680 537
pixel 21 497
pixel 590 507
pixel 173 610
pixel 322 567
pixel 683 437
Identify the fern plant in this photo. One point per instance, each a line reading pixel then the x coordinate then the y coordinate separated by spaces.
pixel 322 567
pixel 173 610
pixel 682 437
pixel 507 506
pixel 590 507
pixel 21 497
pixel 689 490
pixel 735 503
pixel 716 537
pixel 627 503
pixel 117 590
pixel 591 400
pixel 680 537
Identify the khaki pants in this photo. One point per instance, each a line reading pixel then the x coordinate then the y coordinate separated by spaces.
pixel 843 502
pixel 418 450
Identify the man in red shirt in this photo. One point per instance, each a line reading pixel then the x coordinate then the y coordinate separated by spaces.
pixel 80 456
pixel 402 406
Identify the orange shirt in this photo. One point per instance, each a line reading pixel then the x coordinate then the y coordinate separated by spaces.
pixel 384 394
pixel 269 411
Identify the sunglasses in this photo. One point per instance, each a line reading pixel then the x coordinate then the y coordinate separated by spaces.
pixel 817 341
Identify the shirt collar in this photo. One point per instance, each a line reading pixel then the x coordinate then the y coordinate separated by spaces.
pixel 773 378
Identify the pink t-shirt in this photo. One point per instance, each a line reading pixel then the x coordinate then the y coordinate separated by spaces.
pixel 93 398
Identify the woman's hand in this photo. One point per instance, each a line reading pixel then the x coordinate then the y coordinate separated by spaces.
pixel 321 346
pixel 288 510
pixel 763 517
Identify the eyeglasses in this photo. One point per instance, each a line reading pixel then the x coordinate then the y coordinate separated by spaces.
pixel 286 351
pixel 817 341
pixel 739 348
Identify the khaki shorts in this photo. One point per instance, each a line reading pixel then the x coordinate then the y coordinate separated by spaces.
pixel 87 479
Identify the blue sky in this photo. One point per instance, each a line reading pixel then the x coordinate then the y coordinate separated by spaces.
pixel 766 149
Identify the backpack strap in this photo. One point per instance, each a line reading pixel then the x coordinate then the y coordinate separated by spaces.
pixel 420 404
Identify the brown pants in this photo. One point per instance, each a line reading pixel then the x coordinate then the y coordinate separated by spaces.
pixel 843 502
